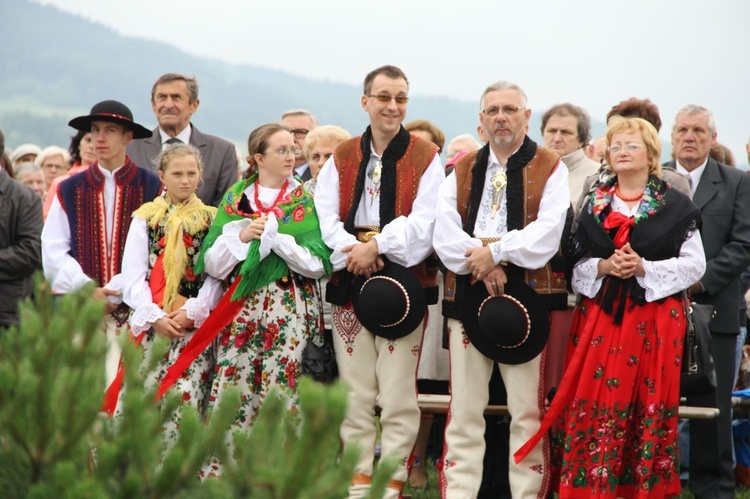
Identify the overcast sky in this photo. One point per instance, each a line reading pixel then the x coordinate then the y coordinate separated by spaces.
pixel 592 53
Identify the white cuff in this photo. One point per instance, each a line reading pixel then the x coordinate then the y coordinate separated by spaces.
pixel 268 238
pixel 196 310
pixel 234 244
pixel 143 317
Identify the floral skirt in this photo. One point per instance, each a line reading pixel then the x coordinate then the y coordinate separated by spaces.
pixel 262 349
pixel 617 435
pixel 193 385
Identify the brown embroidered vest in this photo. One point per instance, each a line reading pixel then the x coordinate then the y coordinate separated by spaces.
pixel 409 170
pixel 548 281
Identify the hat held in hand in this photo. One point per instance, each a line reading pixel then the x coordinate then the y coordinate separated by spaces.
pixel 391 303
pixel 510 329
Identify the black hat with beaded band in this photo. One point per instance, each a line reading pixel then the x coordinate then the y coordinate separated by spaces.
pixel 509 329
pixel 391 303
pixel 114 111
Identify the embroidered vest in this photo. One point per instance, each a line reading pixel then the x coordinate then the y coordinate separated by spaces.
pixel 548 281
pixel 190 283
pixel 409 170
pixel 82 198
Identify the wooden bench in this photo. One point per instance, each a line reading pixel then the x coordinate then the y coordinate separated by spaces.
pixel 438 404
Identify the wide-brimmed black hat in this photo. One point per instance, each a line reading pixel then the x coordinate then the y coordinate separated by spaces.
pixel 110 110
pixel 509 329
pixel 390 303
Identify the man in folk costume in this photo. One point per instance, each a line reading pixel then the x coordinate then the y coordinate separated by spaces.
pixel 84 236
pixel 500 214
pixel 376 207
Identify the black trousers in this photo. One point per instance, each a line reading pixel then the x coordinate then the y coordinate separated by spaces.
pixel 711 472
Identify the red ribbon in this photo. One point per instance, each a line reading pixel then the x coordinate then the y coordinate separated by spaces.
pixel 158 281
pixel 224 313
pixel 113 391
pixel 623 224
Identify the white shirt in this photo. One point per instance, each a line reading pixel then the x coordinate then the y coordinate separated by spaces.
pixel 137 293
pixel 529 248
pixel 228 250
pixel 184 136
pixel 406 240
pixel 694 176
pixel 300 170
pixel 663 277
pixel 60 268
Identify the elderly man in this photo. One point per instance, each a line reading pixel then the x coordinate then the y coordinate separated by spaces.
pixel 300 122
pixel 174 100
pixel 566 129
pixel 500 213
pixel 722 194
pixel 20 244
pixel 378 204
pixel 461 143
pixel 84 235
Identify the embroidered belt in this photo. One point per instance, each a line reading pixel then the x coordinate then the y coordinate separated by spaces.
pixel 366 232
pixel 486 241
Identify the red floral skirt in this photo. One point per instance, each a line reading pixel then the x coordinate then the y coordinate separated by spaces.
pixel 617 434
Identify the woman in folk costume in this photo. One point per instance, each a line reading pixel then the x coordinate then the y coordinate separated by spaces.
pixel 637 248
pixel 266 242
pixel 167 297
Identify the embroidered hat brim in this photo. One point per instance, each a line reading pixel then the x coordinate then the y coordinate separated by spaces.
pixel 114 111
pixel 391 303
pixel 509 329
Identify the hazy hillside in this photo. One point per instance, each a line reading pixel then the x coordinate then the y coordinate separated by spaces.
pixel 54 66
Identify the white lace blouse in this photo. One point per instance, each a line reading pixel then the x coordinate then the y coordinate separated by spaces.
pixel 663 278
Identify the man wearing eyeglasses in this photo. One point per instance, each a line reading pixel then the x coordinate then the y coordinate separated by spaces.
pixel 500 213
pixel 174 100
pixel 376 199
pixel 300 122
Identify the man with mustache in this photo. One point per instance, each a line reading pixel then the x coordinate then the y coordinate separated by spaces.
pixel 174 100
pixel 500 213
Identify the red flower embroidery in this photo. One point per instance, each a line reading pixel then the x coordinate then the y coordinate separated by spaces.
pixel 228 209
pixel 186 396
pixel 241 339
pixel 187 239
pixel 298 214
pixel 189 274
pixel 162 242
pixel 229 372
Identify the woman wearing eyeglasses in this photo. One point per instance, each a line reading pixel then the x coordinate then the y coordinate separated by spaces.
pixel 265 242
pixel 637 248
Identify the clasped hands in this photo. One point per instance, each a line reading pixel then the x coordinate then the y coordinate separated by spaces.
pixel 171 325
pixel 363 258
pixel 624 263
pixel 482 267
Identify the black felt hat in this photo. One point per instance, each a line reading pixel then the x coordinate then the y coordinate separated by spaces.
pixel 110 110
pixel 390 303
pixel 509 329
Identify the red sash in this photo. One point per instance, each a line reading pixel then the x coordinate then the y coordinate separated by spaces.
pixel 113 391
pixel 224 313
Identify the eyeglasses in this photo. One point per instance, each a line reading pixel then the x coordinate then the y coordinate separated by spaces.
pixel 385 98
pixel 508 111
pixel 300 133
pixel 627 147
pixel 284 152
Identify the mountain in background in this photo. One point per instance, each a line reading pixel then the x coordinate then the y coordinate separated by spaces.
pixel 55 65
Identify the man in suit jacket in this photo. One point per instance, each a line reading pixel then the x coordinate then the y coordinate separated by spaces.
pixel 174 99
pixel 300 122
pixel 722 193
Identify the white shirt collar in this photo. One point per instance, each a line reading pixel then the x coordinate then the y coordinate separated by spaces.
pixel 184 135
pixel 694 176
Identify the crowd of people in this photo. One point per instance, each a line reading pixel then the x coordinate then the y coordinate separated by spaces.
pixel 567 268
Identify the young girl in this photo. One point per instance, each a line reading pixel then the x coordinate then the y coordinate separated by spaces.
pixel 266 240
pixel 167 296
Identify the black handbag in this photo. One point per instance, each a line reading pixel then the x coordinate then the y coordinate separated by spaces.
pixel 319 362
pixel 698 374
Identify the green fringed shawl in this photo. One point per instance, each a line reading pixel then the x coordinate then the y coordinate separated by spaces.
pixel 299 220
